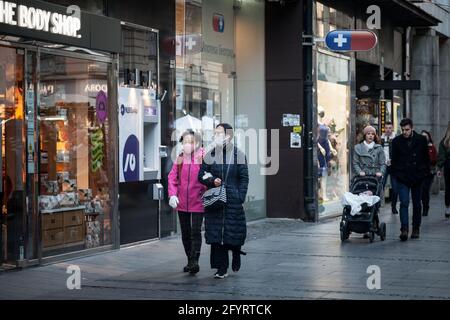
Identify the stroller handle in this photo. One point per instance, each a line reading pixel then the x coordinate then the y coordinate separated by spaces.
pixel 367 176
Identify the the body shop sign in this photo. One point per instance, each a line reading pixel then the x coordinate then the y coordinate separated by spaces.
pixel 52 23
pixel 23 16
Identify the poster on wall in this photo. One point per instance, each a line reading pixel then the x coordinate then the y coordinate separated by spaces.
pixel 131 160
pixel 291 120
pixel 296 140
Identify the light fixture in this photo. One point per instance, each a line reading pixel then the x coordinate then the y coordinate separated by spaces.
pixel 364 88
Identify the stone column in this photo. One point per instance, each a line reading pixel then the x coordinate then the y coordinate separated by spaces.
pixel 425 67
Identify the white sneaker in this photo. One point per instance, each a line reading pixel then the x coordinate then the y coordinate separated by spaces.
pixel 221 275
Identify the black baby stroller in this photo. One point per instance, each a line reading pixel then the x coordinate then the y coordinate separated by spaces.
pixel 368 221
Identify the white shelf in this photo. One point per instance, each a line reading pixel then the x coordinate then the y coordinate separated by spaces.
pixel 63 210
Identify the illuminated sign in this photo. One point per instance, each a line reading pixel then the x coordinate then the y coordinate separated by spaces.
pixel 40 20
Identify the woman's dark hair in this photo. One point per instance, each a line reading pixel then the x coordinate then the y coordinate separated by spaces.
pixel 428 134
pixel 188 132
pixel 227 127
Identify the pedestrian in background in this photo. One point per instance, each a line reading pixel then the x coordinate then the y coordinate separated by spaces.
pixel 386 141
pixel 225 228
pixel 444 163
pixel 185 194
pixel 410 166
pixel 426 187
pixel 368 156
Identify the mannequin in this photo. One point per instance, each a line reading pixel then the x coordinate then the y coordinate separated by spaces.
pixel 324 153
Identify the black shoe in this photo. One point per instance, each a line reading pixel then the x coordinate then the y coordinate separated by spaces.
pixel 366 235
pixel 425 212
pixel 187 267
pixel 447 216
pixel 404 235
pixel 194 268
pixel 394 211
pixel 415 233
pixel 221 274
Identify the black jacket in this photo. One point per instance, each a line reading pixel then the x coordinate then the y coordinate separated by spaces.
pixel 227 226
pixel 410 163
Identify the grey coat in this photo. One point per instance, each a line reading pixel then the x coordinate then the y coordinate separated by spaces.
pixel 370 162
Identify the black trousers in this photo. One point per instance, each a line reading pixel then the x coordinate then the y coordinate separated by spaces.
pixel 191 233
pixel 426 187
pixel 393 196
pixel 447 183
pixel 220 258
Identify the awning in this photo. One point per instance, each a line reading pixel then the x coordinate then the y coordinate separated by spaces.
pixel 401 13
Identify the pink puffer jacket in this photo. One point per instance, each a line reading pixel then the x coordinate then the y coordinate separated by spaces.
pixel 186 187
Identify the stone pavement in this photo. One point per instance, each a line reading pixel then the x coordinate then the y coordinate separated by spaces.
pixel 286 259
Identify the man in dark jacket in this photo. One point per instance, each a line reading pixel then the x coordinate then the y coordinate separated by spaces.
pixel 225 229
pixel 409 168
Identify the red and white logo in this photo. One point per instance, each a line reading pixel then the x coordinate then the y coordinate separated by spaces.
pixel 218 23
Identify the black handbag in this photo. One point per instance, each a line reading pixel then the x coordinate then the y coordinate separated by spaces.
pixel 216 198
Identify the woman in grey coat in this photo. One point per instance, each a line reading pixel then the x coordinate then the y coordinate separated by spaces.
pixel 368 156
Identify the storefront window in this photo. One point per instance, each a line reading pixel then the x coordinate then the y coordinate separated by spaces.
pixel 220 77
pixel 333 100
pixel 205 66
pixel 12 186
pixel 76 168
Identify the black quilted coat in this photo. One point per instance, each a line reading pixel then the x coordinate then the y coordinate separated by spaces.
pixel 226 226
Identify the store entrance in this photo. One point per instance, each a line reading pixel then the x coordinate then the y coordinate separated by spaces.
pixel 57 129
pixel 11 127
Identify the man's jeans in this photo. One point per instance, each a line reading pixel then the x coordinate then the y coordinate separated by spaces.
pixel 403 192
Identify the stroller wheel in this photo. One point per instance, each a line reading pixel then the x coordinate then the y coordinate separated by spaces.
pixel 371 236
pixel 344 231
pixel 383 231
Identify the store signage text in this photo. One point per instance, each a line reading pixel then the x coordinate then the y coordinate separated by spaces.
pixel 218 50
pixel 39 20
pixel 94 88
pixel 47 90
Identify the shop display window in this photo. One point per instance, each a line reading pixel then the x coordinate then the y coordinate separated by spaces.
pixel 75 176
pixel 333 158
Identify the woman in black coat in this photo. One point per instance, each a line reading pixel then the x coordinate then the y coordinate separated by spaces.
pixel 225 229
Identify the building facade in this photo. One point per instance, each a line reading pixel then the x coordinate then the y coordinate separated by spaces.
pixel 93 102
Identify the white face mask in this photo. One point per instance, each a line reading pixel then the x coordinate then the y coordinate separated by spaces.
pixel 220 140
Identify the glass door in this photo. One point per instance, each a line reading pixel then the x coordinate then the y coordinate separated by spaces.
pixel 13 219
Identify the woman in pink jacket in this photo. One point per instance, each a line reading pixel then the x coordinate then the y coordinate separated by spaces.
pixel 185 194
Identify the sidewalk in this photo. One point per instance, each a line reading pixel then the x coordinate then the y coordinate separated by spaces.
pixel 286 260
